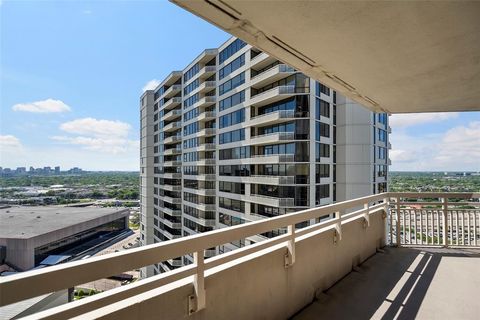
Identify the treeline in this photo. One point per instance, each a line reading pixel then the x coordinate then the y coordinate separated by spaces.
pixel 84 179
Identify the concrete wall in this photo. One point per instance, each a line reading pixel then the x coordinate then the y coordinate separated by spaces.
pixel 355 160
pixel 146 172
pixel 259 286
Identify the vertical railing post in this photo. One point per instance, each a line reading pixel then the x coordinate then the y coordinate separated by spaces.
pixel 290 255
pixel 398 223
pixel 338 227
pixel 197 301
pixel 366 215
pixel 385 216
pixel 445 222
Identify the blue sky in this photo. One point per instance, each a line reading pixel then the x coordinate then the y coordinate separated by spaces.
pixel 87 62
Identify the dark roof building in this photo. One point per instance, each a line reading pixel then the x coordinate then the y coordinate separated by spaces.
pixel 31 234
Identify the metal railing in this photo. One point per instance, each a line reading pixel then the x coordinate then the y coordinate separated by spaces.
pixel 30 284
pixel 435 219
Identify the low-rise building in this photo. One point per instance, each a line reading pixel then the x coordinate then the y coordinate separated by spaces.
pixel 30 234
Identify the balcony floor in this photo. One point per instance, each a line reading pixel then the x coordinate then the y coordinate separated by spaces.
pixel 405 283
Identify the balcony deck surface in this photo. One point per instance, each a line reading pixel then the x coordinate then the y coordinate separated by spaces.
pixel 405 283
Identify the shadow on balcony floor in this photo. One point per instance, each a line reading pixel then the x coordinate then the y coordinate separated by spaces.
pixel 405 283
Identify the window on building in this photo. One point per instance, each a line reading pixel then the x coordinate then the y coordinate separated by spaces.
pixel 230 50
pixel 232 118
pixel 322 108
pixel 231 101
pixel 321 88
pixel 322 150
pixel 191 72
pixel 232 136
pixel 231 67
pixel 321 130
pixel 231 84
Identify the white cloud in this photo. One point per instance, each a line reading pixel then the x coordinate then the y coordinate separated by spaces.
pixel 44 106
pixel 114 145
pixel 460 146
pixel 9 141
pixel 96 128
pixel 412 119
pixel 11 149
pixel 458 149
pixel 151 85
pixel 397 155
pixel 99 135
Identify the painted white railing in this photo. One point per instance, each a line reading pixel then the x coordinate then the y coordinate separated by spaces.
pixel 29 284
pixel 33 283
pixel 435 219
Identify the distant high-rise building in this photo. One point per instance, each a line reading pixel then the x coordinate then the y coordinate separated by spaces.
pixel 239 136
pixel 57 170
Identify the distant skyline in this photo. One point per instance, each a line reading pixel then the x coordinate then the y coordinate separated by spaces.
pixel 72 73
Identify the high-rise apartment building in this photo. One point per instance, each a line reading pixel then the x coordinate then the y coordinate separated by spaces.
pixel 239 136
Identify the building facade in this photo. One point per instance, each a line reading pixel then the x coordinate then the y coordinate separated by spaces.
pixel 239 136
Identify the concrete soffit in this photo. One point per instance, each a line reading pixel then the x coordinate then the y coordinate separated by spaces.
pixel 391 57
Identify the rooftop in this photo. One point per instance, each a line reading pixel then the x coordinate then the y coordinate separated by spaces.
pixel 28 222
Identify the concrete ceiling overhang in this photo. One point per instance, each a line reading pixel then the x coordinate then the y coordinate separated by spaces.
pixel 394 56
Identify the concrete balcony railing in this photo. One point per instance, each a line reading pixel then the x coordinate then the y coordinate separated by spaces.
pixel 261 60
pixel 171 175
pixel 172 163
pixel 207 71
pixel 272 74
pixel 173 225
pixel 275 158
pixel 173 126
pixel 205 101
pixel 271 279
pixel 200 176
pixel 202 192
pixel 275 94
pixel 172 151
pixel 270 138
pixel 170 236
pixel 207 147
pixel 265 179
pixel 175 262
pixel 203 162
pixel 172 212
pixel 262 159
pixel 206 132
pixel 172 115
pixel 272 201
pixel 172 103
pixel 205 116
pixel 207 86
pixel 201 206
pixel 172 200
pixel 170 187
pixel 202 221
pixel 272 117
pixel 173 90
pixel 172 139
